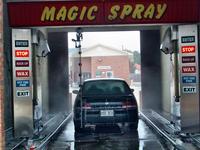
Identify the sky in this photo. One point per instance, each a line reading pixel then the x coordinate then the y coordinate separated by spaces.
pixel 121 39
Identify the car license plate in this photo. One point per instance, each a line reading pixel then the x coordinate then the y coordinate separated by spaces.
pixel 107 113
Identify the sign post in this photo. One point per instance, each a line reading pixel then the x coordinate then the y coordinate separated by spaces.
pixel 22 82
pixel 189 77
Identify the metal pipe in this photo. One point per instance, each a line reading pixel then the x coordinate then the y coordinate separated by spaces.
pixel 80 78
pixel 34 72
pixel 162 133
pixel 77 41
pixel 79 37
pixel 176 74
pixel 19 144
pixel 46 141
pixel 174 38
pixel 196 141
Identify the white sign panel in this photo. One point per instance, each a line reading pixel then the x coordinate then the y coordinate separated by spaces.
pixel 104 67
pixel 189 89
pixel 22 82
pixel 189 77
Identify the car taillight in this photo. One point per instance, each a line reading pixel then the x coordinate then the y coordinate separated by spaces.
pixel 129 104
pixel 86 106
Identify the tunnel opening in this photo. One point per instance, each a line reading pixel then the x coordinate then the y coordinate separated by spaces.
pixel 61 80
pixel 110 55
pixel 55 74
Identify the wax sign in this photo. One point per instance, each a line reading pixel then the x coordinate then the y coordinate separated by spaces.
pixel 22 73
pixel 189 69
pixel 102 12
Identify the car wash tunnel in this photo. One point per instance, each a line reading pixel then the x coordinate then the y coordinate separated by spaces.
pixel 99 97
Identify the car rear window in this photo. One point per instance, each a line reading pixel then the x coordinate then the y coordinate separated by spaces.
pixel 108 87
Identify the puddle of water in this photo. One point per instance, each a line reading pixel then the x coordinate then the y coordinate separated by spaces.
pixel 107 138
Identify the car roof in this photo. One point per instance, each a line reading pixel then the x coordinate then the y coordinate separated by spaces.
pixel 104 79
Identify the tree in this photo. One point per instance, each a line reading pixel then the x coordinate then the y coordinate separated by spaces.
pixel 136 57
pixel 136 60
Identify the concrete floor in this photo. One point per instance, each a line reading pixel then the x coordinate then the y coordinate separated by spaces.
pixel 107 138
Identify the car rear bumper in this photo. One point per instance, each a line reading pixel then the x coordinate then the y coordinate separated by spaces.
pixel 120 116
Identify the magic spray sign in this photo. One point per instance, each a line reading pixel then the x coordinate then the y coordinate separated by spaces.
pixel 102 12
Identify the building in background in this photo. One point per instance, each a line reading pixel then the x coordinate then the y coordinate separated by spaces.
pixel 100 61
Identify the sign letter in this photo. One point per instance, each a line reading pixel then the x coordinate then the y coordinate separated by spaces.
pixel 139 8
pixel 149 12
pixel 62 14
pixel 73 12
pixel 90 14
pixel 82 15
pixel 126 11
pixel 114 11
pixel 47 14
pixel 161 9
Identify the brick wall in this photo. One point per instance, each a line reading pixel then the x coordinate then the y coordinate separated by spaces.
pixel 1 79
pixel 86 64
pixel 119 65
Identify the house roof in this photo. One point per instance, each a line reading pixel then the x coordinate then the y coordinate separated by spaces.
pixel 101 50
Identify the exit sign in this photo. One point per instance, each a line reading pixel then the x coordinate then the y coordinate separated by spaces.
pixel 189 89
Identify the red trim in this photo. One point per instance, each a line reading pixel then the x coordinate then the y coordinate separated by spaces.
pixel 27 14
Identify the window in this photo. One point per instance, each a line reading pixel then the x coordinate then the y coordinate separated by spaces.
pixel 109 87
pixel 109 74
pixel 98 74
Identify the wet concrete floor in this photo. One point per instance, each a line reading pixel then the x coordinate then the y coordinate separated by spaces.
pixel 107 138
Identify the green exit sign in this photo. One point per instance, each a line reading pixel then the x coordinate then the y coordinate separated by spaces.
pixel 187 39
